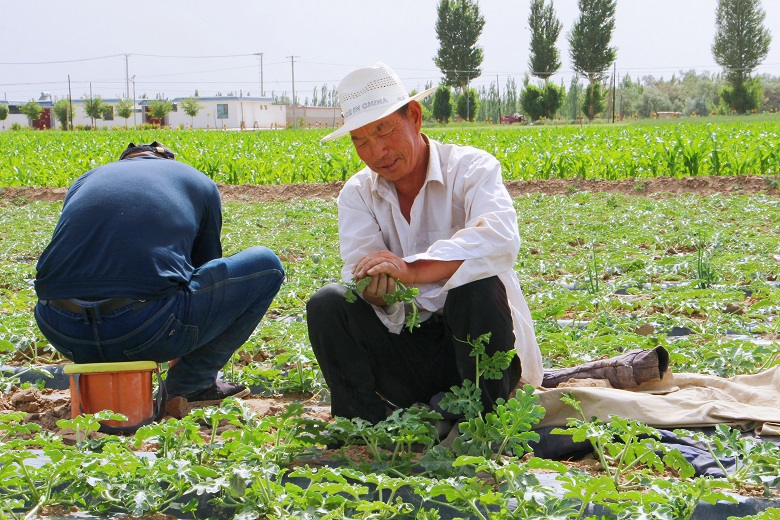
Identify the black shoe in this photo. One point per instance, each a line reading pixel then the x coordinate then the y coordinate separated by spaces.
pixel 217 392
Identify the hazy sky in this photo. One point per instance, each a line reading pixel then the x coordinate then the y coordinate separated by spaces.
pixel 176 46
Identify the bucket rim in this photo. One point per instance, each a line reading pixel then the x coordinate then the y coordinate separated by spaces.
pixel 123 366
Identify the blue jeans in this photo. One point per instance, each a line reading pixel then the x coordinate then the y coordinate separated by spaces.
pixel 202 325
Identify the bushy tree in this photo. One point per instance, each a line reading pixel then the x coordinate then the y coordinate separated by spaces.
pixel 741 44
pixel 32 110
pixel 94 108
pixel 593 102
pixel 442 108
pixel 3 112
pixel 532 101
pixel 125 109
pixel 771 87
pixel 468 104
pixel 743 96
pixel 62 112
pixel 589 47
pixel 459 25
pixel 542 101
pixel 653 101
pixel 160 108
pixel 544 59
pixel 191 107
pixel 629 93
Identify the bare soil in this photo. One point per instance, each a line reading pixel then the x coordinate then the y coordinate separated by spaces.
pixel 656 187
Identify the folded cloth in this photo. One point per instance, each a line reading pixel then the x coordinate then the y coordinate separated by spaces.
pixel 628 371
pixel 746 402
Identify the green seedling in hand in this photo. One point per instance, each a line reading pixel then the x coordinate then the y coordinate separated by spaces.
pixel 402 294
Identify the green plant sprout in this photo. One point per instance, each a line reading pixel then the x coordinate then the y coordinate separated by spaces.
pixel 626 449
pixel 593 273
pixel 466 400
pixel 754 460
pixel 402 294
pixel 705 274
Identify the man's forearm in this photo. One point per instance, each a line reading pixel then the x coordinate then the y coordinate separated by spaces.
pixel 427 271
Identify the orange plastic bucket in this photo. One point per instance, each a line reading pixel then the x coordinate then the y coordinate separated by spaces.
pixel 124 388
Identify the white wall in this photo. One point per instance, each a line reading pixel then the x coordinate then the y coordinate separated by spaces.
pixel 250 111
pixel 14 118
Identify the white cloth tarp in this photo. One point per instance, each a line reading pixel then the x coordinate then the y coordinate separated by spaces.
pixel 685 400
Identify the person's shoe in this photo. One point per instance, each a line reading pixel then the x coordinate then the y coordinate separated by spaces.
pixel 217 392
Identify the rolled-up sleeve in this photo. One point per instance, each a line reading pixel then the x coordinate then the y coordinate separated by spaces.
pixel 489 241
pixel 359 235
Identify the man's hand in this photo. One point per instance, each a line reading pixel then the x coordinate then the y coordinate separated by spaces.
pixel 380 285
pixel 384 268
pixel 387 263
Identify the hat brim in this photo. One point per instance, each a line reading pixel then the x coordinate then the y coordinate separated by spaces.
pixel 356 122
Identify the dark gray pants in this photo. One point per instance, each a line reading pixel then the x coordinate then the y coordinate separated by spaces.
pixel 366 366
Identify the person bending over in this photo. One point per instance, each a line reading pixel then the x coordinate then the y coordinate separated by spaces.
pixel 134 271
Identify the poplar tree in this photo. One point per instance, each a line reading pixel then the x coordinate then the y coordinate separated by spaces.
pixel 442 108
pixel 741 44
pixel 458 27
pixel 544 59
pixel 589 45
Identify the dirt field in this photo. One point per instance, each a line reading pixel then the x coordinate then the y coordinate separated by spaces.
pixel 658 187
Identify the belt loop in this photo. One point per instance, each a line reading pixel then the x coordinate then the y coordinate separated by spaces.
pixel 85 313
pixel 96 309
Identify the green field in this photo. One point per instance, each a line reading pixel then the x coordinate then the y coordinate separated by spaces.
pixel 603 274
pixel 698 147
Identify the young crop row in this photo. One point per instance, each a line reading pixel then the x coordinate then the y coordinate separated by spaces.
pixel 630 269
pixel 266 467
pixel 285 157
pixel 709 265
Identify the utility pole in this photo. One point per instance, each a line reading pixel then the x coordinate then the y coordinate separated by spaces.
pixel 614 88
pixel 468 85
pixel 262 88
pixel 127 74
pixel 70 104
pixel 292 64
pixel 498 91
pixel 133 80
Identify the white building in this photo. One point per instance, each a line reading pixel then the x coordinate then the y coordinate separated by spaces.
pixel 46 120
pixel 216 113
pixel 230 112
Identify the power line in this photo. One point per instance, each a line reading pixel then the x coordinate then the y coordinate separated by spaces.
pixel 194 57
pixel 62 61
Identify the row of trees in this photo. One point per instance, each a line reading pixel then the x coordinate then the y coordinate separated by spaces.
pixel 741 44
pixel 688 92
pixel 95 108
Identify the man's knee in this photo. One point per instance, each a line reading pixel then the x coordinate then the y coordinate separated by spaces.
pixel 325 302
pixel 487 293
pixel 266 259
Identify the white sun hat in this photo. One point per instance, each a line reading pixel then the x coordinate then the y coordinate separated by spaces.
pixel 368 94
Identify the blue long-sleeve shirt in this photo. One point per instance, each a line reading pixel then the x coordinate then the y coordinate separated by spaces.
pixel 135 228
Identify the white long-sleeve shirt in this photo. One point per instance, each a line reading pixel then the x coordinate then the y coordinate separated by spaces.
pixel 463 212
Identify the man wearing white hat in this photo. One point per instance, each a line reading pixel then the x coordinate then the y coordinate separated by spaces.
pixel 435 217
